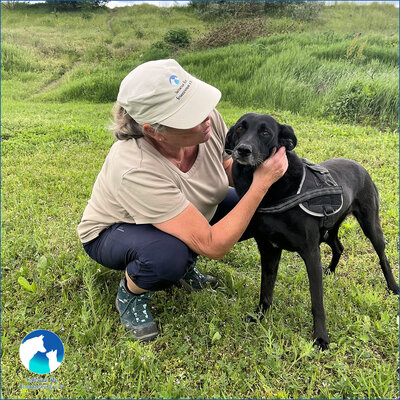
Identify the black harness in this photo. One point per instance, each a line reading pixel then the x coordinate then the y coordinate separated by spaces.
pixel 318 195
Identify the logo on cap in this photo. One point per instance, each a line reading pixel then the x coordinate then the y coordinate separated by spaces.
pixel 173 80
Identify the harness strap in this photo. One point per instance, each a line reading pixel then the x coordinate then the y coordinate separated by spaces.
pixel 296 199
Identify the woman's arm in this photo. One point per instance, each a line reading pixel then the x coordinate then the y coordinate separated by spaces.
pixel 215 241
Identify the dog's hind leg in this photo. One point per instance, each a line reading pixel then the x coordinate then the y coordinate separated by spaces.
pixel 312 259
pixel 337 248
pixel 368 217
pixel 270 257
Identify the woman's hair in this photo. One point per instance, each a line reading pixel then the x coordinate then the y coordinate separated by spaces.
pixel 125 127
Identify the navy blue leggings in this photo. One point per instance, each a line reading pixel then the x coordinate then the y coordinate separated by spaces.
pixel 153 259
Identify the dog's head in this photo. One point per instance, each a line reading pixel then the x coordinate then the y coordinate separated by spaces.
pixel 254 136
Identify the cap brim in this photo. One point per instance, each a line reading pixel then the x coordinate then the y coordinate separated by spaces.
pixel 196 109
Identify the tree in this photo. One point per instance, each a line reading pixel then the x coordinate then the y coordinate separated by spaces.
pixel 75 5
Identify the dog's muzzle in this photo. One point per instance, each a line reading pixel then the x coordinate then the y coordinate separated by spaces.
pixel 243 154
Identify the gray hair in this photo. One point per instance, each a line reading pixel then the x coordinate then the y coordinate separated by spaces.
pixel 125 127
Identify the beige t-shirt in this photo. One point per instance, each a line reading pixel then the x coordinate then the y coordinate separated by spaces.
pixel 138 185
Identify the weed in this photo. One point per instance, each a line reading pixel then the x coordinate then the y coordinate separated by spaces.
pixel 179 37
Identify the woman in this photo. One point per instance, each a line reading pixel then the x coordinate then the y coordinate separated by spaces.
pixel 161 197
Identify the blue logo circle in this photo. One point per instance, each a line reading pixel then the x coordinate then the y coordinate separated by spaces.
pixel 41 351
pixel 173 80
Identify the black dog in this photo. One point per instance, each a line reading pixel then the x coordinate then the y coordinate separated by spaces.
pixel 251 141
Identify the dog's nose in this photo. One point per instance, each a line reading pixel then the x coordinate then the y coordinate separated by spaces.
pixel 244 150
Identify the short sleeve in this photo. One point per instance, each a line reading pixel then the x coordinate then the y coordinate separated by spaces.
pixel 149 197
pixel 221 130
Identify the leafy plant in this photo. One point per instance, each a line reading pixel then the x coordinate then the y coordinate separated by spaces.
pixel 30 287
pixel 179 37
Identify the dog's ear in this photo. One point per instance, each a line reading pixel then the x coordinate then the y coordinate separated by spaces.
pixel 287 138
pixel 229 140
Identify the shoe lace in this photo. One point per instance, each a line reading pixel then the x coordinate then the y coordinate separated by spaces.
pixel 138 306
pixel 194 274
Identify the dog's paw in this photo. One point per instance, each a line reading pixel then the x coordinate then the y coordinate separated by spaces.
pixel 322 344
pixel 251 319
pixel 258 316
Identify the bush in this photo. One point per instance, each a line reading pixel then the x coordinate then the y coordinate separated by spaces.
pixel 75 5
pixel 233 31
pixel 179 37
pixel 302 10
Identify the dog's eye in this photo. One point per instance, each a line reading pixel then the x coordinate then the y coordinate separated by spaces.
pixel 266 134
pixel 239 129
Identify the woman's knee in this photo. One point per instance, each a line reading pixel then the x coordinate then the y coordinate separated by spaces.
pixel 164 262
pixel 171 261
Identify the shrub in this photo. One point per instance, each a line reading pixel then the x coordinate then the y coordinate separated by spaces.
pixel 233 31
pixel 179 37
pixel 75 5
pixel 302 10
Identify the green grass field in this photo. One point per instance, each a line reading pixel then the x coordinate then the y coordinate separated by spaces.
pixel 54 140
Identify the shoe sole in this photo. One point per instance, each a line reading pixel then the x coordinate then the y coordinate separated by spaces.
pixel 144 338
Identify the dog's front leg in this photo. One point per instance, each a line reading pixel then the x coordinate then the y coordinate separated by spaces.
pixel 270 257
pixel 312 259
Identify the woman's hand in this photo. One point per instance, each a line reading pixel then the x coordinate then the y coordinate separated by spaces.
pixel 271 170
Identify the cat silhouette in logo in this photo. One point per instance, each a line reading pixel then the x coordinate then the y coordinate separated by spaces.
pixel 53 363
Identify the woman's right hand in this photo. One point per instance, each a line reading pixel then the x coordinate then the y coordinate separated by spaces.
pixel 271 170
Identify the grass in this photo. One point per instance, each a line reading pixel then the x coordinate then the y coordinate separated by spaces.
pixel 206 349
pixel 352 19
pixel 349 73
pixel 329 75
pixel 52 151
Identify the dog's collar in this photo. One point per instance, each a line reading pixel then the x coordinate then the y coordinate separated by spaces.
pixel 318 194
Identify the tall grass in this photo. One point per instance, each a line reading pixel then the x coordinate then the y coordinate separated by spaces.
pixel 348 17
pixel 103 39
pixel 347 78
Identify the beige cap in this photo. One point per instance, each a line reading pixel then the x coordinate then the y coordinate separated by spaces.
pixel 163 92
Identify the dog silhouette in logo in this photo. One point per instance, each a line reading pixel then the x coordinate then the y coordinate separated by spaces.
pixel 29 348
pixel 53 363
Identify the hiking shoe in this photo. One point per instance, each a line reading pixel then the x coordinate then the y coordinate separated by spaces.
pixel 134 313
pixel 194 280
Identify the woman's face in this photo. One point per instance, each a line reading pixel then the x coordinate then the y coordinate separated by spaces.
pixel 189 137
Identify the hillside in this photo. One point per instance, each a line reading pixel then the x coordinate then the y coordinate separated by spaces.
pixel 349 72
